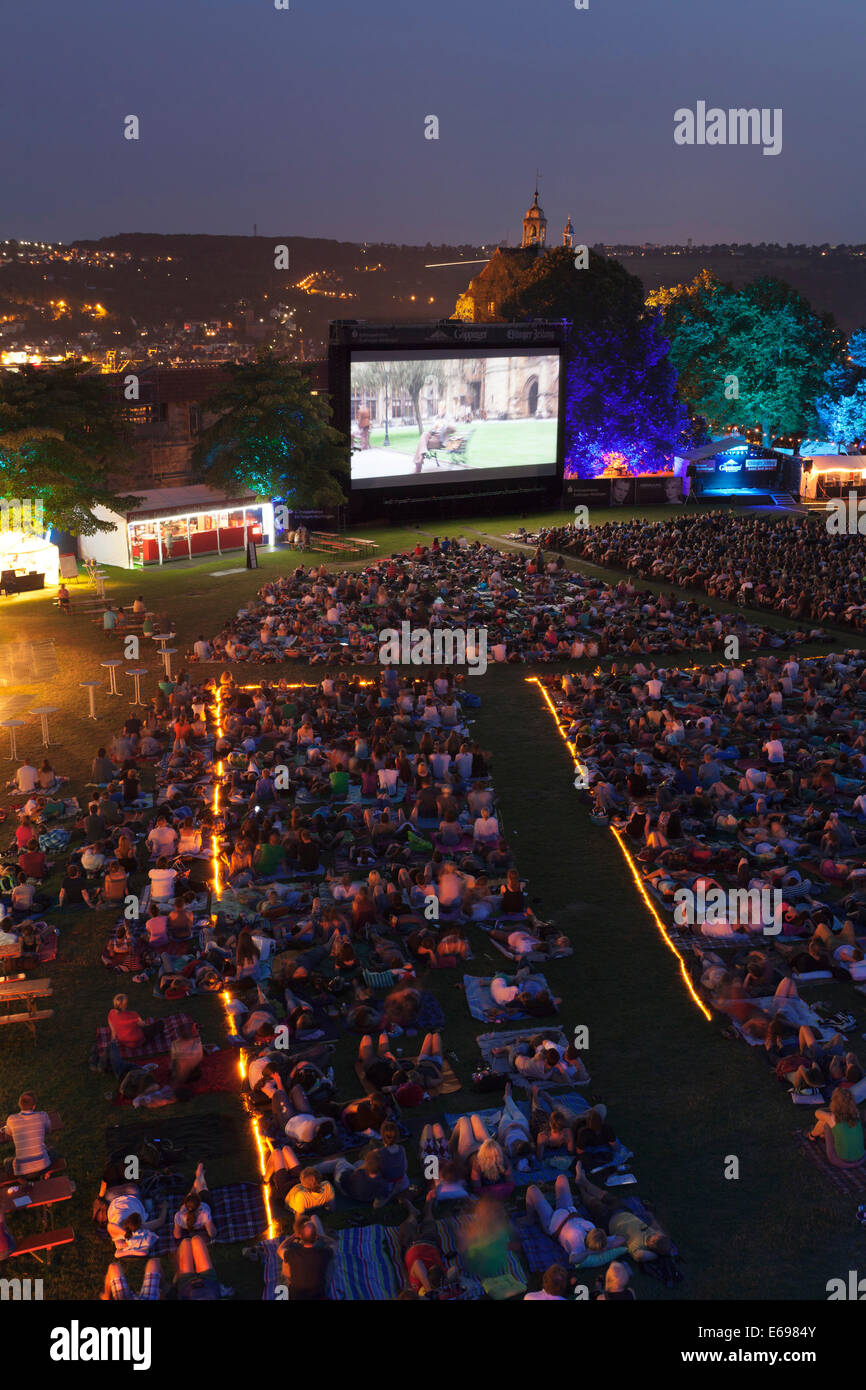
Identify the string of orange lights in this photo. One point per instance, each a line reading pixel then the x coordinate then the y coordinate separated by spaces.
pixel 217 885
pixel 635 872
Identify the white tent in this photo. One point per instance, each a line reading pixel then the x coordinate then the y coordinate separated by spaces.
pixel 21 551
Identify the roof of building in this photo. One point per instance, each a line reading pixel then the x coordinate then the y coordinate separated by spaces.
pixel 175 501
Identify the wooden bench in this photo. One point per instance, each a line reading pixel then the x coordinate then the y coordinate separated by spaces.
pixel 43 1243
pixel 26 992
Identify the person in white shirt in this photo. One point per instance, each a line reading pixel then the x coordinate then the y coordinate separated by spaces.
pixel 774 750
pixel 202 650
pixel 501 992
pixel 162 880
pixel 162 839
pixel 554 1285
pixel 654 688
pixel 486 829
pixel 577 1236
pixel 26 778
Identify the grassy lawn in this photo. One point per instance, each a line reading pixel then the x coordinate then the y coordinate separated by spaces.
pixel 683 1098
pixel 494 443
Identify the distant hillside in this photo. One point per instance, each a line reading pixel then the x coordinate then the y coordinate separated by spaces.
pixel 150 285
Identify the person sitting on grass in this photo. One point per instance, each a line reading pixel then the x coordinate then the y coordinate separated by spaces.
pixel 127 1027
pixel 306 1259
pixel 554 1287
pixel 842 1120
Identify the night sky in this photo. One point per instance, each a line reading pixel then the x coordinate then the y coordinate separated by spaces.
pixel 310 122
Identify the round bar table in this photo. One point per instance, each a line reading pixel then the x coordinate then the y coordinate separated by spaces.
pixel 137 672
pixel 167 653
pixel 91 687
pixel 43 711
pixel 112 668
pixel 13 725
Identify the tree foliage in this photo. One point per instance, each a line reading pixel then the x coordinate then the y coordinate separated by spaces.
pixel 273 437
pixel 621 389
pixel 841 406
pixel 62 436
pixel 757 354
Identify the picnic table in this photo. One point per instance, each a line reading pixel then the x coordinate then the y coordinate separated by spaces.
pixel 26 992
pixel 19 1194
pixel 341 545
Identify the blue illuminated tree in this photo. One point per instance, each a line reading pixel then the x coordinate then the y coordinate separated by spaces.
pixel 841 407
pixel 621 401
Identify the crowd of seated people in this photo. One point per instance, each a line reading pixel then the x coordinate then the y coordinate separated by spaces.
pixel 532 608
pixel 740 793
pixel 359 841
pixel 794 565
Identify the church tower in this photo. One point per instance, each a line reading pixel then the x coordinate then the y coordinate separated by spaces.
pixel 568 235
pixel 534 227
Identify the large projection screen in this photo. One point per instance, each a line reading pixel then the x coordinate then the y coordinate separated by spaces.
pixel 428 417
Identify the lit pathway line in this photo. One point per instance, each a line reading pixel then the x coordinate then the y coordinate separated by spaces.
pixel 662 929
pixel 273 1229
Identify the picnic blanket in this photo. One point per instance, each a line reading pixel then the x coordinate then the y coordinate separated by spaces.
pixel 368 1264
pixel 535 1171
pixel 448 1084
pixel 238 1210
pixel 488 1041
pixel 480 1000
pixel 194 1137
pixel 161 1041
pixel 219 1072
pixel 851 1181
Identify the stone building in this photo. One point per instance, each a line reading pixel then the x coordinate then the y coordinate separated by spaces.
pixel 485 293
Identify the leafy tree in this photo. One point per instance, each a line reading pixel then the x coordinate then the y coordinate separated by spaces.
pixel 621 389
pixel 755 353
pixel 62 437
pixel 273 436
pixel 841 406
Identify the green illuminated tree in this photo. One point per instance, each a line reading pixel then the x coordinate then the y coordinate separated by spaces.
pixel 273 436
pixel 62 437
pixel 759 353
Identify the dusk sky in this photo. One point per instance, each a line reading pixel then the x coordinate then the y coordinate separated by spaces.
pixel 310 122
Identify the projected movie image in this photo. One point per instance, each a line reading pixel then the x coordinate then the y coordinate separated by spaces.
pixel 421 418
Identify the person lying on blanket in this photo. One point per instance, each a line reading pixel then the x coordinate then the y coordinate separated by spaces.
pixel 644 1240
pixel 426 1270
pixel 293 1112
pixel 536 1059
pixel 580 1238
pixel 194 1214
pixel 523 996
pixel 116 1285
pixel 363 1182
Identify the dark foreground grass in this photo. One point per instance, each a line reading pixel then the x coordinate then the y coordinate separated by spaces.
pixel 684 1099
